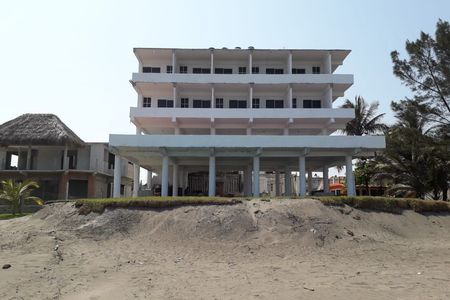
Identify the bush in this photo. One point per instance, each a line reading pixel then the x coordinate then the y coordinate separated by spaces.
pixel 98 205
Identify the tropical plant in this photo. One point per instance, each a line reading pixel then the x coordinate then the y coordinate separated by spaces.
pixel 17 193
pixel 366 120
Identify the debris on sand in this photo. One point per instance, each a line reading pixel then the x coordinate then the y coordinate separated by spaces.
pixel 6 266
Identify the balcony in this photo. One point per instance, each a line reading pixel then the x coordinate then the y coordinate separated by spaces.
pixel 337 79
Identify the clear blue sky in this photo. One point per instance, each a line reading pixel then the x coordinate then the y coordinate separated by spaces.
pixel 74 58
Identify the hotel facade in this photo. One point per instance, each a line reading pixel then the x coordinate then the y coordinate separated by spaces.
pixel 240 111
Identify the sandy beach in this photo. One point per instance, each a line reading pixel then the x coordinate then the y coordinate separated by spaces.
pixel 281 249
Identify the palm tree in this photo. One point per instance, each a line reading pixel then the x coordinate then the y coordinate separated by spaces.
pixel 17 193
pixel 366 120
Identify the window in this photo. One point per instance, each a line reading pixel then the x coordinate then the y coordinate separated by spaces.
pixel 312 104
pixel 151 70
pixel 255 103
pixel 169 69
pixel 147 102
pixel 238 104
pixel 274 103
pixel 183 69
pixel 219 102
pixel 201 70
pixel 255 70
pixel 316 70
pixel 242 70
pixel 294 102
pixel 165 103
pixel 298 71
pixel 184 102
pixel 274 71
pixel 202 103
pixel 223 71
pixel 72 157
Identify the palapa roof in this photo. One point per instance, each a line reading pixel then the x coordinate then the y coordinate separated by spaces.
pixel 38 130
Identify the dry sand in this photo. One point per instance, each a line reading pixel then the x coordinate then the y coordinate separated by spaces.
pixel 282 249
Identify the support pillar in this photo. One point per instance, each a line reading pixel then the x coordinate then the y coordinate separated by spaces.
pixel 277 183
pixel 349 176
pixel 165 176
pixel 256 176
pixel 250 62
pixel 212 176
pixel 328 97
pixel 136 176
pixel 326 183
pixel 302 178
pixel 327 63
pixel 174 95
pixel 149 179
pixel 212 61
pixel 174 62
pixel 213 96
pixel 287 182
pixel 91 186
pixel 175 180
pixel 65 159
pixel 117 176
pixel 289 63
pixel 248 181
pixel 310 183
pixel 289 96
pixel 250 96
pixel 29 158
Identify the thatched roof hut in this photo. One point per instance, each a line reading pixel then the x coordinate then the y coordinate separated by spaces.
pixel 38 130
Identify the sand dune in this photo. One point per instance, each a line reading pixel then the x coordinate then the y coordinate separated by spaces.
pixel 282 249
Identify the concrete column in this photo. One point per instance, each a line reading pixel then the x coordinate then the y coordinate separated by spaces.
pixel 326 183
pixel 255 187
pixel 165 176
pixel 248 181
pixel 2 159
pixel 277 183
pixel 174 62
pixel 289 63
pixel 286 130
pixel 29 158
pixel 302 178
pixel 248 131
pixel 289 96
pixel 175 180
pixel 213 100
pixel 91 186
pixel 349 176
pixel 212 62
pixel 212 176
pixel 287 182
pixel 136 173
pixel 328 97
pixel 149 179
pixel 250 96
pixel 117 176
pixel 327 63
pixel 250 62
pixel 310 185
pixel 174 95
pixel 65 159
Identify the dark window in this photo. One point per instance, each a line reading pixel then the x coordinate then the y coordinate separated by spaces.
pixel 312 104
pixel 201 70
pixel 255 70
pixel 223 71
pixel 274 71
pixel 219 102
pixel 169 69
pixel 165 103
pixel 274 103
pixel 147 102
pixel 151 70
pixel 238 104
pixel 294 103
pixel 72 157
pixel 298 71
pixel 183 69
pixel 316 70
pixel 201 103
pixel 242 70
pixel 255 103
pixel 184 102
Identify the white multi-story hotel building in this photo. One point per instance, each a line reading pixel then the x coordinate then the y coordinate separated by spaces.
pixel 240 111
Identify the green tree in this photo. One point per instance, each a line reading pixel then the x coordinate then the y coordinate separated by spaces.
pixel 427 70
pixel 365 172
pixel 17 193
pixel 366 120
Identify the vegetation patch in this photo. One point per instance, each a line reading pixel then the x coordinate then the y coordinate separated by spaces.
pixel 12 216
pixel 98 205
pixel 387 204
